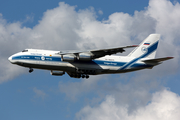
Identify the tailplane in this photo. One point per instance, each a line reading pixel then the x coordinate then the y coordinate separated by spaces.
pixel 157 60
pixel 147 49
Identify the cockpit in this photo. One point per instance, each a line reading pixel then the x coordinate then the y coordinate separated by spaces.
pixel 25 50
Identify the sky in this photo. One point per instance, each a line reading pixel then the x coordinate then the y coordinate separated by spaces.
pixel 78 25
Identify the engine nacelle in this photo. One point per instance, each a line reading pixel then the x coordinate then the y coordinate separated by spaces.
pixel 57 73
pixel 85 56
pixel 68 58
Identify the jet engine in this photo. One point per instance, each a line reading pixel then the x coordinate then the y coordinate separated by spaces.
pixel 68 58
pixel 57 73
pixel 85 56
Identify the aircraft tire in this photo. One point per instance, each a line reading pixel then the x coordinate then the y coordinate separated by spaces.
pixel 30 70
pixel 87 76
pixel 83 76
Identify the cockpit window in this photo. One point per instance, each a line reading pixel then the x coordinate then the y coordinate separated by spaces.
pixel 25 51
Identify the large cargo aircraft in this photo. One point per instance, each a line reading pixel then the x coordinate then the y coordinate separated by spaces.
pixel 81 64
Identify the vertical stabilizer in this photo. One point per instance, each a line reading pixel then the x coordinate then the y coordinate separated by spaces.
pixel 147 49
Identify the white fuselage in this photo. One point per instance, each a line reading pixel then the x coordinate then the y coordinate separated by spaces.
pixel 50 60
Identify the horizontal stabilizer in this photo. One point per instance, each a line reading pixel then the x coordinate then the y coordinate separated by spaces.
pixel 158 60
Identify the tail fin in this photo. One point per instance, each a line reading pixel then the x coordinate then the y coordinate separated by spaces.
pixel 147 49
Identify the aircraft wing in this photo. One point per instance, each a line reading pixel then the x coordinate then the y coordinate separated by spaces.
pixel 96 53
pixel 103 52
pixel 158 60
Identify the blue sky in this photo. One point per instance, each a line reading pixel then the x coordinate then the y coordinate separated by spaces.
pixel 41 96
pixel 18 10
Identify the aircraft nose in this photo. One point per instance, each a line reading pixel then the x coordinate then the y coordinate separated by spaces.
pixel 10 59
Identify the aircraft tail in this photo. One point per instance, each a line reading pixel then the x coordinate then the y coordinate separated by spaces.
pixel 147 49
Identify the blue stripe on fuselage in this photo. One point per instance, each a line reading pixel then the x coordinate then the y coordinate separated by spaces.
pixel 102 62
pixel 38 58
pixel 93 62
pixel 58 59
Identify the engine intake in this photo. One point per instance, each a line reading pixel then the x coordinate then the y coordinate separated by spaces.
pixel 57 73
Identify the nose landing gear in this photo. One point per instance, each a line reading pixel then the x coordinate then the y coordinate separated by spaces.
pixel 30 70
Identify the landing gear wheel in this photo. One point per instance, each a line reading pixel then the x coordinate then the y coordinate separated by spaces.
pixel 87 76
pixel 30 70
pixel 83 76
pixel 79 76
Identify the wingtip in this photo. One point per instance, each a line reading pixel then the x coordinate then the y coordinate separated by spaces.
pixel 170 57
pixel 135 45
pixel 131 46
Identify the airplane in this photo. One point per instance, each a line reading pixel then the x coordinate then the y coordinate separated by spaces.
pixel 81 64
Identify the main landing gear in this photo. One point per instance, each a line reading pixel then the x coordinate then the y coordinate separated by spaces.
pixel 79 76
pixel 30 70
pixel 85 76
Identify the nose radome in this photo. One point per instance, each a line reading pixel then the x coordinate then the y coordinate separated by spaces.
pixel 10 58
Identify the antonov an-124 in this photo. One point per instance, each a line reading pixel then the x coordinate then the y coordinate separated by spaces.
pixel 81 64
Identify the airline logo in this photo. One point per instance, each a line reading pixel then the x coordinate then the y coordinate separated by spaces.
pixel 144 50
pixel 42 58
pixel 146 43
